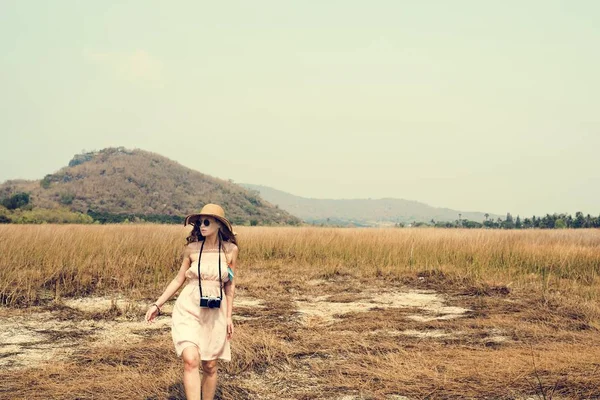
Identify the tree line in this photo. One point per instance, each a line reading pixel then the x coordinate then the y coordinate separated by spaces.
pixel 549 221
pixel 17 208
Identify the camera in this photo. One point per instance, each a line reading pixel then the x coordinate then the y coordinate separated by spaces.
pixel 210 302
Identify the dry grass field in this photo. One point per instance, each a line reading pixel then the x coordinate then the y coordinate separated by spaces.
pixel 320 313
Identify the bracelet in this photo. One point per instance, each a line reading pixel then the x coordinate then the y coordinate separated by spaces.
pixel 157 307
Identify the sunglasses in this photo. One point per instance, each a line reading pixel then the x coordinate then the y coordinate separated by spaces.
pixel 205 222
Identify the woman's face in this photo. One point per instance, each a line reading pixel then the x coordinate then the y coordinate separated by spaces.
pixel 211 229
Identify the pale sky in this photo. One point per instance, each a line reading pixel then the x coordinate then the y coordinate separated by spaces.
pixel 473 105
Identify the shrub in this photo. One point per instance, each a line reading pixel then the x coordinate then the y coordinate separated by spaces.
pixel 67 198
pixel 111 218
pixel 55 216
pixel 81 158
pixel 15 201
pixel 4 216
pixel 45 183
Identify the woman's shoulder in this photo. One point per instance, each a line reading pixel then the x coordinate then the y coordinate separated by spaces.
pixel 192 246
pixel 230 247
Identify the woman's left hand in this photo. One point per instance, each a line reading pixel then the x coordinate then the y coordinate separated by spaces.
pixel 229 328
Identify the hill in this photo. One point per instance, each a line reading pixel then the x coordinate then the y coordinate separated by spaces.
pixel 113 184
pixel 361 212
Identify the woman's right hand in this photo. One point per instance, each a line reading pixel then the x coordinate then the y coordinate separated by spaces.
pixel 151 313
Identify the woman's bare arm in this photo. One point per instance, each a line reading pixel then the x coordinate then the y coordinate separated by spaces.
pixel 230 285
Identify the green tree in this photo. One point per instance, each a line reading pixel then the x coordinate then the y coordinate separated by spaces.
pixel 588 221
pixel 4 216
pixel 569 221
pixel 579 221
pixel 472 224
pixel 509 223
pixel 67 198
pixel 15 201
pixel 547 222
pixel 45 183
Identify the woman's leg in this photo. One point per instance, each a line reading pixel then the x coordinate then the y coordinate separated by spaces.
pixel 209 379
pixel 191 375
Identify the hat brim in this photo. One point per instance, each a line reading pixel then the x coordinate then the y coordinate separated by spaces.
pixel 193 218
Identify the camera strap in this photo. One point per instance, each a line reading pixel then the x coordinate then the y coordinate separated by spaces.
pixel 200 277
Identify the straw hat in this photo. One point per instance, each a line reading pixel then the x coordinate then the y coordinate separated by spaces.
pixel 210 210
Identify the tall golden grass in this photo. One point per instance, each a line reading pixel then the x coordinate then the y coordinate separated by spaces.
pixel 540 289
pixel 46 261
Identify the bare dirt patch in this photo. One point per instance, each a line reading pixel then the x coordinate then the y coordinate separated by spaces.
pixel 54 332
pixel 42 335
pixel 430 305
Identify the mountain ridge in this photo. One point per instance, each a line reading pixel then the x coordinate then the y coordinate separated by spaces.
pixel 117 181
pixel 362 212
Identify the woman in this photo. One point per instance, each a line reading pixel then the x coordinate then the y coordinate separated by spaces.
pixel 202 328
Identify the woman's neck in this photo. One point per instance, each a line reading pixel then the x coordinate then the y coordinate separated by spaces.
pixel 211 241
